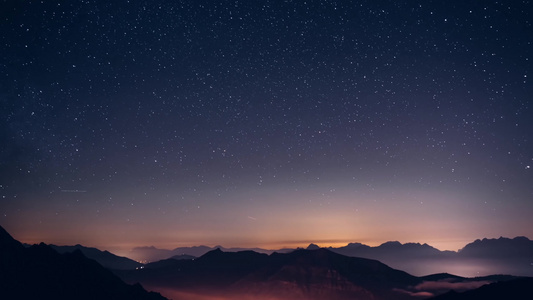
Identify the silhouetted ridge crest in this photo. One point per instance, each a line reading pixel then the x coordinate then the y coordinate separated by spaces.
pixel 391 244
pixel 8 242
pixel 312 247
pixel 300 274
pixel 39 272
pixel 105 258
pixel 502 247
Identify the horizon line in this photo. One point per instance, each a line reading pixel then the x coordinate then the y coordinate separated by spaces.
pixel 295 245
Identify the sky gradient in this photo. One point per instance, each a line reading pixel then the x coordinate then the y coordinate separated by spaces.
pixel 265 123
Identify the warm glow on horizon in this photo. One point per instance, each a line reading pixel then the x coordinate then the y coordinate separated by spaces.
pixel 341 218
pixel 121 242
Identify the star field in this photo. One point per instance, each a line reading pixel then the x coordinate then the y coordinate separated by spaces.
pixel 244 123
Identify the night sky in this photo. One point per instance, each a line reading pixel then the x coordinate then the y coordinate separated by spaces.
pixel 265 123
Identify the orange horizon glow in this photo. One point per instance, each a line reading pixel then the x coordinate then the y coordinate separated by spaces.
pixel 124 248
pixel 307 217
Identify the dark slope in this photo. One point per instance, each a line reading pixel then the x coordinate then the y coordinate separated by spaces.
pixel 168 263
pixel 151 254
pixel 39 272
pixel 517 289
pixel 319 274
pixel 183 256
pixel 105 258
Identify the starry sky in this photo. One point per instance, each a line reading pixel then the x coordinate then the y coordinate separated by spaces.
pixel 265 123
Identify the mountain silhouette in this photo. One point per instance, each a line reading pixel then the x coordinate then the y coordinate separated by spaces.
pixel 152 254
pixel 105 258
pixel 510 256
pixel 312 247
pixel 39 272
pixel 480 258
pixel 415 258
pixel 183 256
pixel 301 274
pixel 519 246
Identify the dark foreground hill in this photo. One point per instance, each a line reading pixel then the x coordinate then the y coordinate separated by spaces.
pixel 301 274
pixel 517 289
pixel 39 272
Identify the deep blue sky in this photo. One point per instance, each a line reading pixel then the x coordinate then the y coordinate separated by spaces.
pixel 265 123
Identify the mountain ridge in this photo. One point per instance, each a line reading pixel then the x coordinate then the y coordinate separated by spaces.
pixel 40 272
pixel 189 249
pixel 474 259
pixel 300 274
pixel 313 273
pixel 480 257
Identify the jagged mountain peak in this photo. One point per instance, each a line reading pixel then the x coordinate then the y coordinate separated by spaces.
pixel 499 242
pixel 355 245
pixel 312 247
pixel 391 244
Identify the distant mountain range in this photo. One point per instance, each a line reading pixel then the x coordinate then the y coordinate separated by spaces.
pixel 151 254
pixel 301 274
pixel 481 257
pixel 40 272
